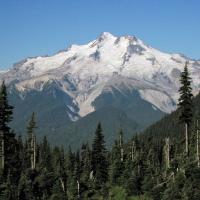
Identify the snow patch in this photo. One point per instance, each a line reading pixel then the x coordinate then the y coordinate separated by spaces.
pixel 72 118
pixel 85 101
pixel 154 108
pixel 158 99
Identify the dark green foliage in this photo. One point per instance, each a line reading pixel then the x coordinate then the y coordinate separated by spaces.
pixel 116 166
pixel 131 106
pixel 5 110
pixel 99 161
pixel 132 170
pixel 185 100
pixel 141 173
pixel 31 126
pixel 7 190
pixel 126 110
pixel 9 148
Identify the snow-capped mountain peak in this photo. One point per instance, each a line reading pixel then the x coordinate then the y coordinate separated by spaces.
pixel 84 72
pixel 106 35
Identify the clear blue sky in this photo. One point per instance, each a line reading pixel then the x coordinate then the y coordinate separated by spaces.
pixel 40 27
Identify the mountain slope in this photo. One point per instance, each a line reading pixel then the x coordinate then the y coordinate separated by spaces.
pixel 122 73
pixel 170 124
pixel 85 71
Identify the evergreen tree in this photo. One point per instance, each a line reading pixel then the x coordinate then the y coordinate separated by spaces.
pixel 185 102
pixel 32 141
pixel 6 190
pixel 31 126
pixel 5 118
pixel 7 137
pixel 24 190
pixel 85 162
pixel 45 155
pixel 116 166
pixel 121 143
pixel 62 174
pixel 57 191
pixel 99 161
pixel 6 110
pixel 174 191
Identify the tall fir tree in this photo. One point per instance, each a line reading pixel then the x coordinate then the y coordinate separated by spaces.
pixel 5 118
pixel 185 102
pixel 85 162
pixel 45 155
pixel 99 160
pixel 116 165
pixel 121 143
pixel 6 110
pixel 32 141
pixel 7 140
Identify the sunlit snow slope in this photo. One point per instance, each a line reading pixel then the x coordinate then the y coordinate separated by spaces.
pixel 85 71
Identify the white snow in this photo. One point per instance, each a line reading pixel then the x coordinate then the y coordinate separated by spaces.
pixel 85 104
pixel 159 99
pixel 122 62
pixel 72 118
pixel 71 108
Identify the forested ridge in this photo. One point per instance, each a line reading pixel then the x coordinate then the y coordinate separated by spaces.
pixel 161 163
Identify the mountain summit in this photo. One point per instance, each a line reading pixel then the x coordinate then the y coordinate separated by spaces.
pixel 122 72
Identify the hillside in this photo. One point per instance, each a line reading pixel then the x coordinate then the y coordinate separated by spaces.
pixel 123 74
pixel 170 124
pixel 150 166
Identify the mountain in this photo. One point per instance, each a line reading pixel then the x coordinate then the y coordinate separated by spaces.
pixel 170 126
pixel 120 81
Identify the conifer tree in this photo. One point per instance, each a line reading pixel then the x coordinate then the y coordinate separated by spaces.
pixel 7 137
pixel 45 155
pixel 116 165
pixel 8 192
pixel 99 161
pixel 6 110
pixel 185 102
pixel 5 118
pixel 32 140
pixel 62 171
pixel 121 143
pixel 85 162
pixel 197 142
pixel 23 188
pixel 167 153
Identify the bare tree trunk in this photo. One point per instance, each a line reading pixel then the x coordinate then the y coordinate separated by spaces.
pixel 62 185
pixel 32 144
pixel 91 175
pixel 132 150
pixel 198 161
pixel 122 154
pixel 121 148
pixel 33 152
pixel 186 138
pixel 2 152
pixel 167 153
pixel 173 177
pixel 78 189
